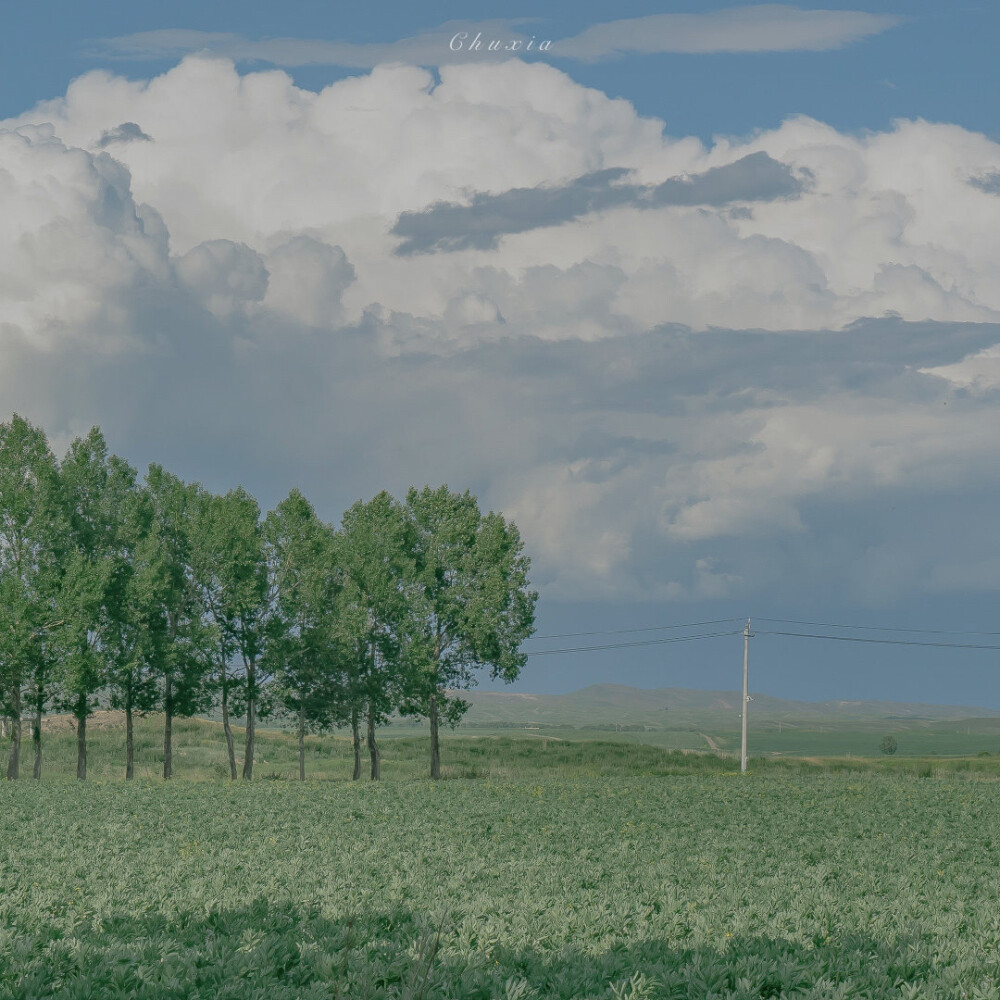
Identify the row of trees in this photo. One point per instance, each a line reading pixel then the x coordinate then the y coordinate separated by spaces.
pixel 158 595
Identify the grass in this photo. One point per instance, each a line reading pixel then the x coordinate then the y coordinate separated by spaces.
pixel 199 753
pixel 786 882
pixel 544 868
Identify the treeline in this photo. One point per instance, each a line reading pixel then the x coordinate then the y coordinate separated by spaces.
pixel 155 594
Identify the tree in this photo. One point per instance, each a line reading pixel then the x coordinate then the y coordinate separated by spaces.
pixel 378 577
pixel 179 646
pixel 43 667
pixel 305 652
pixel 888 745
pixel 231 567
pixel 29 538
pixel 208 585
pixel 134 632
pixel 96 488
pixel 473 607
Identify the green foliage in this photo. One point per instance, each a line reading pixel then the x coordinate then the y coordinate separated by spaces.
pixel 888 745
pixel 31 535
pixel 97 491
pixel 178 644
pixel 231 571
pixel 164 595
pixel 706 886
pixel 311 659
pixel 374 553
pixel 473 608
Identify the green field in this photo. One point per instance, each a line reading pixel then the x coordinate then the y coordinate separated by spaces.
pixel 588 870
pixel 516 753
pixel 700 886
pixel 519 753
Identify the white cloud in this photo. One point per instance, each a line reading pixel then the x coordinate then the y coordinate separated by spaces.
pixel 763 28
pixel 432 47
pixel 756 28
pixel 75 245
pixel 224 297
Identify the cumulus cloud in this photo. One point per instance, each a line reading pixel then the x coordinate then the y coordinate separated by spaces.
pixel 724 369
pixel 223 275
pixel 126 132
pixel 307 279
pixel 76 247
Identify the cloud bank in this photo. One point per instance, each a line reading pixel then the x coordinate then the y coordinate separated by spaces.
pixel 688 372
pixel 758 28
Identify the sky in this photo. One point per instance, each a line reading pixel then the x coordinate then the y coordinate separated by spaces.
pixel 704 297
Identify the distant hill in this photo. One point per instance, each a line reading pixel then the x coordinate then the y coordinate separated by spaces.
pixel 603 705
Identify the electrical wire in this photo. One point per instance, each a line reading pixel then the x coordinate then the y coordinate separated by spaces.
pixel 623 645
pixel 881 642
pixel 876 628
pixel 622 631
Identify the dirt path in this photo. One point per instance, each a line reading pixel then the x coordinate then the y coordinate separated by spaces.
pixel 712 744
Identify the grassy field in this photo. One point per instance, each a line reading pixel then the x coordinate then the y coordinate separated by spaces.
pixel 953 738
pixel 199 754
pixel 505 753
pixel 706 884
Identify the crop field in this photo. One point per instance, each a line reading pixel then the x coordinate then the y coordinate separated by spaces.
pixel 708 884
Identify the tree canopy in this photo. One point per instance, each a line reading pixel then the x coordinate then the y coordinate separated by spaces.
pixel 159 595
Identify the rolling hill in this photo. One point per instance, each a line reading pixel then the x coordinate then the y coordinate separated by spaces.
pixel 614 705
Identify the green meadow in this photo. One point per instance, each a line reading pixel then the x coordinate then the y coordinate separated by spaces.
pixel 539 868
pixel 698 885
pixel 522 752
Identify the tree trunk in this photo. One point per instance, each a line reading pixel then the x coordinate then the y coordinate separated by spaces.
pixel 168 728
pixel 81 737
pixel 36 738
pixel 356 732
pixel 227 728
pixel 373 750
pixel 302 742
pixel 14 760
pixel 432 714
pixel 248 748
pixel 129 744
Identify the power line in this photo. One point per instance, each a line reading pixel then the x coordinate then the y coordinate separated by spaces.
pixel 644 642
pixel 881 642
pixel 876 628
pixel 622 631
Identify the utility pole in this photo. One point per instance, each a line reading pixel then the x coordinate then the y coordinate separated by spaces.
pixel 746 696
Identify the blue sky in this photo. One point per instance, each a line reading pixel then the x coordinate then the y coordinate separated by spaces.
pixel 705 297
pixel 937 63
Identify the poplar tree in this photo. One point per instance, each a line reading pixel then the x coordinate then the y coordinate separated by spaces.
pixel 179 646
pixel 306 655
pixel 231 566
pixel 379 573
pixel 96 488
pixel 134 631
pixel 29 538
pixel 472 607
